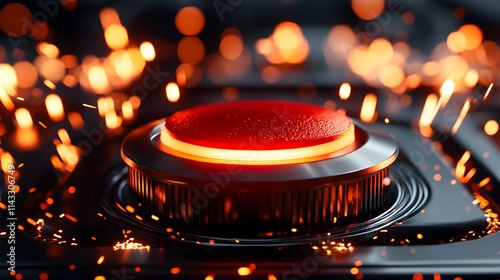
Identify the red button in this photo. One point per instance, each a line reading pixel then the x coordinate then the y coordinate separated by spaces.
pixel 258 125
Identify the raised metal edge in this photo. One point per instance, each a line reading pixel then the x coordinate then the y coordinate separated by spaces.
pixel 140 152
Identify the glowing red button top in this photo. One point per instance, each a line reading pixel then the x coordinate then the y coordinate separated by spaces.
pixel 272 130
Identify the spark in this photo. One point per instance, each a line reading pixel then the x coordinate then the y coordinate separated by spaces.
pixel 31 221
pixel 488 91
pixel 42 124
pixel 5 99
pixel 130 245
pixel 49 84
pixel 484 182
pixel 89 106
pixel 461 117
pixel 20 98
pixel 71 218
pixel 427 112
pixel 100 260
pixel 446 91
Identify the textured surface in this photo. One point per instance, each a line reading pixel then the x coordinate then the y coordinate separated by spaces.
pixel 258 125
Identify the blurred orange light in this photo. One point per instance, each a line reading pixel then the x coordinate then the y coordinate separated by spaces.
pixel 341 39
pixel 127 110
pixel 270 74
pixel 191 50
pixel 122 64
pixel 360 62
pixel 23 118
pixel 231 46
pixel 54 107
pixel 230 93
pixel 109 16
pixel 368 109
pixel 427 116
pixel 189 21
pixel 447 89
pixel 345 91
pixel 391 76
pixel 105 104
pixel 413 81
pixel 69 60
pixel 367 9
pixel 244 271
pixel 456 42
pixel 116 36
pixel 8 78
pixel 183 73
pixel 49 50
pixel 381 51
pixel 175 270
pixel 5 99
pixel 15 19
pixel 172 91
pixel 263 46
pixel 491 127
pixel 471 78
pixel 69 81
pixel 26 73
pixel 112 120
pixel 148 51
pixel 6 159
pixel 138 62
pixel 473 34
pixel 287 35
pixel 52 69
pixel 431 68
pixel 98 79
pixel 76 120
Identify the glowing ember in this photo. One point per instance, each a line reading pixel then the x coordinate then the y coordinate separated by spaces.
pixel 427 113
pixel 130 245
pixel 368 109
pixel 54 107
pixel 345 91
pixel 172 91
pixel 148 51
pixel 23 118
pixel 116 36
pixel 244 271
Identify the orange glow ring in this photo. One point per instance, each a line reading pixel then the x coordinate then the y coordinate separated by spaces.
pixel 182 149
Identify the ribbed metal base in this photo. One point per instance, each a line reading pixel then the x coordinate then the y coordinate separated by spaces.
pixel 303 208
